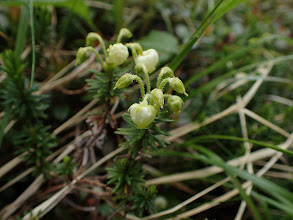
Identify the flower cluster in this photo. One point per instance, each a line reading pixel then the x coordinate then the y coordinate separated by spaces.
pixel 144 112
pixel 115 54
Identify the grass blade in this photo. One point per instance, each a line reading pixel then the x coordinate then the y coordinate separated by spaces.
pixel 31 10
pixel 118 14
pixel 221 8
pixel 225 7
pixel 205 138
pixel 237 184
pixel 194 37
pixel 278 192
pixel 221 63
pixel 281 206
pixel 22 30
pixel 217 80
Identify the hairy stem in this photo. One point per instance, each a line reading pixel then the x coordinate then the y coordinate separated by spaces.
pixel 147 79
pixel 161 75
pixel 100 39
pixel 141 85
pixel 98 56
pixel 163 83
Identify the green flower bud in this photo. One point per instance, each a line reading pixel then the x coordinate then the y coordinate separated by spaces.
pixel 151 192
pixel 166 72
pixel 123 162
pixel 150 59
pixel 66 160
pixel 124 81
pixel 91 38
pixel 142 114
pixel 118 53
pixel 177 85
pixel 81 55
pixel 124 32
pixel 175 104
pixel 158 96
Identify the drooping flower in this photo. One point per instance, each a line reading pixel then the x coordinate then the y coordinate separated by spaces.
pixel 118 53
pixel 142 114
pixel 81 55
pixel 177 85
pixel 149 59
pixel 175 104
pixel 124 81
pixel 158 96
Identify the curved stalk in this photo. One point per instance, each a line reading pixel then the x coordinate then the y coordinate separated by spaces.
pixel 166 96
pixel 147 78
pixel 100 39
pixel 134 54
pixel 98 56
pixel 141 85
pixel 163 83
pixel 165 71
pixel 147 96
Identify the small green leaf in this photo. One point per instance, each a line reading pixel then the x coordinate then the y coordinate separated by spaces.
pixel 22 30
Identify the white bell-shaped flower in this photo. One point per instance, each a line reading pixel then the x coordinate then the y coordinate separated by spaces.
pixel 118 53
pixel 142 114
pixel 149 59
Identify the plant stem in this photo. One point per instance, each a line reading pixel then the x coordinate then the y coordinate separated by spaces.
pixel 141 85
pixel 167 96
pixel 147 79
pixel 107 99
pixel 147 96
pixel 134 54
pixel 98 56
pixel 100 39
pixel 163 83
pixel 162 74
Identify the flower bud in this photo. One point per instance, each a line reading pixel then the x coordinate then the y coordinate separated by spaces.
pixel 124 81
pixel 66 160
pixel 160 202
pixel 158 96
pixel 80 55
pixel 91 38
pixel 118 53
pixel 124 32
pixel 150 59
pixel 177 85
pixel 151 191
pixel 142 114
pixel 166 72
pixel 175 104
